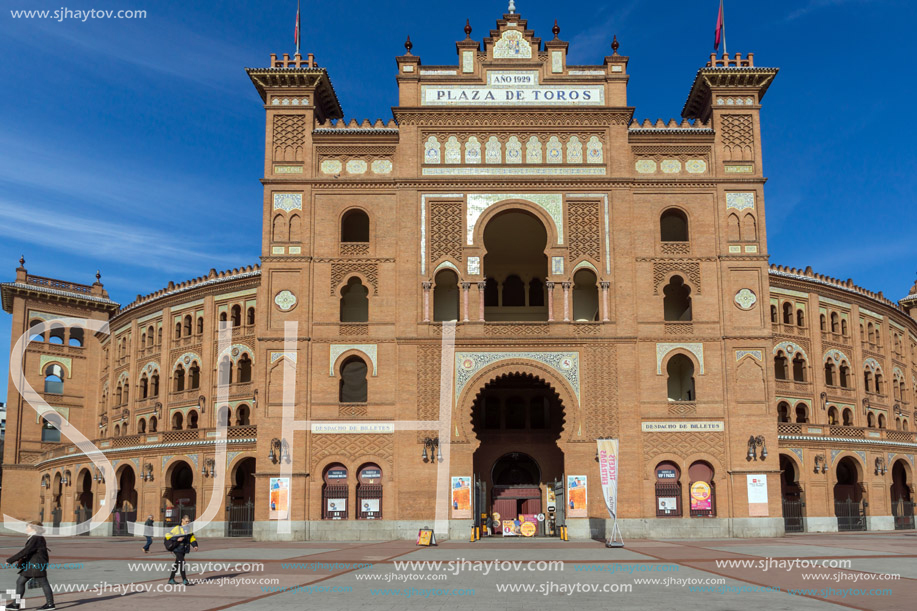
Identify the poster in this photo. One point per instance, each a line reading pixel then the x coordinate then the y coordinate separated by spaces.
pixel 607 450
pixel 700 497
pixel 552 499
pixel 461 497
pixel 280 498
pixel 512 528
pixel 370 506
pixel 667 504
pixel 576 495
pixel 757 495
pixel 337 505
pixel 426 537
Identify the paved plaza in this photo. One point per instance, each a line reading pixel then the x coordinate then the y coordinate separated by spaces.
pixel 855 571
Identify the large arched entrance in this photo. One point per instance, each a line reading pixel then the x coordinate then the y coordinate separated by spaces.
pixel 125 504
pixel 902 501
pixel 242 499
pixel 517 419
pixel 791 493
pixel 848 496
pixel 180 497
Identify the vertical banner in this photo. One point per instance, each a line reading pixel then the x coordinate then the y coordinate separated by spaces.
pixel 757 495
pixel 280 498
pixel 608 473
pixel 576 496
pixel 461 497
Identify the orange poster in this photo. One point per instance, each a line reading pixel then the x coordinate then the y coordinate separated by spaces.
pixel 576 496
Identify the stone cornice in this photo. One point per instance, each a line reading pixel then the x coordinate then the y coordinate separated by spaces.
pixel 463 116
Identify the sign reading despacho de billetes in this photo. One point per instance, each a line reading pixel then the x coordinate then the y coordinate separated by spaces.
pixel 704 426
pixel 352 428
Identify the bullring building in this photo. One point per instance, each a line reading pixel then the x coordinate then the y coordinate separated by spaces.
pixel 509 269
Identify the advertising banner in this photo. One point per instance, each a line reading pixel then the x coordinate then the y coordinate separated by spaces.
pixel 700 496
pixel 461 497
pixel 608 475
pixel 757 495
pixel 280 498
pixel 576 495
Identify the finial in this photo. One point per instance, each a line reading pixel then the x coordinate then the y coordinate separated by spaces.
pixel 615 45
pixel 98 275
pixel 512 7
pixel 21 260
pixel 467 28
pixel 555 29
pixel 408 45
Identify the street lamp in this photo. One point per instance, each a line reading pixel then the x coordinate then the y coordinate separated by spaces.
pixel 753 444
pixel 433 444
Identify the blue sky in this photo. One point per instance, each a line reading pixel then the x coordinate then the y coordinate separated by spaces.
pixel 135 146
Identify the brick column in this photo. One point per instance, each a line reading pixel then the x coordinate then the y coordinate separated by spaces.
pixel 566 286
pixel 426 301
pixel 465 287
pixel 605 286
pixel 481 287
pixel 550 286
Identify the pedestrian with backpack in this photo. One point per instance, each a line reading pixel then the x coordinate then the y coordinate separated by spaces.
pixel 32 561
pixel 179 541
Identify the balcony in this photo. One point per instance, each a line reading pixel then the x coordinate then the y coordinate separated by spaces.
pixel 846 432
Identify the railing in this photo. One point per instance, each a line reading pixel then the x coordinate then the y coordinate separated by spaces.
pixel 851 515
pixel 793 516
pixel 735 62
pixel 61 285
pixel 847 432
pixel 903 511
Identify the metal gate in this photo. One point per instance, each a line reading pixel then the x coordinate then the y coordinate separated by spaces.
pixel 56 516
pixel 904 514
pixel 479 506
pixel 851 515
pixel 82 515
pixel 172 515
pixel 793 515
pixel 241 518
pixel 560 506
pixel 120 520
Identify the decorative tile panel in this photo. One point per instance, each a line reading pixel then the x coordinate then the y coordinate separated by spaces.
pixel 382 166
pixel 467 364
pixel 356 166
pixel 551 203
pixel 285 300
pixel 645 166
pixel 287 201
pixel 755 354
pixel 557 265
pixel 557 62
pixel 474 266
pixel 338 349
pixel 740 201
pixel 670 166
pixel 697 349
pixel 746 299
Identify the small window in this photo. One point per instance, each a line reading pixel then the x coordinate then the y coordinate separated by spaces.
pixel 76 337
pixel 783 412
pixel 677 300
pixel 177 421
pixel 353 381
pixel 153 423
pixel 780 366
pixel 243 416
pixel 245 369
pixel 250 318
pixel 236 316
pixel 680 371
pixel 194 376
pixel 673 226
pixel 355 226
pixel 192 419
pixel 801 413
pixel 354 305
pixel 799 368
pixel 54 379
pixel 513 291
pixel 200 325
pixel 49 432
pixel 446 296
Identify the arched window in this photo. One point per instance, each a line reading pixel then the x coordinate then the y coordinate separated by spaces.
pixel 878 335
pixel 236 316
pixel 154 384
pixel 843 326
pixel 801 413
pixel 536 293
pixel 871 420
pixel 245 369
pixel 702 491
pixel 799 368
pixel 677 301
pixel 117 430
pixel 897 424
pixel 871 333
pixel 242 416
pixel 141 426
pixel 673 226
pixel 153 423
pixel 787 313
pixel 835 325
pixel 881 421
pixel 177 420
pixel 354 301
pixel 749 228
pixel 150 336
pixel 194 376
pixel 800 318
pixel 35 337
pixel 178 330
pixel 668 490
pixel 355 226
pixel 192 419
pixel 295 228
pixel 880 383
pixel 844 381
pixel 585 296
pixel 491 293
pixel 224 416
pixel 896 391
pixel 848 417
pixel 54 379
pixel 446 296
pixel 186 327
pixel 223 317
pixel 280 231
pixel 76 337
pixel 904 425
pixel 780 366
pixel 867 381
pixel 680 370
pixel 224 373
pixel 513 291
pixel 144 387
pixel 822 323
pixel 49 432
pixel 830 371
pixel 200 325
pixel 118 394
pixel 774 314
pixel 352 387
pixel 832 415
pixel 250 318
pixel 57 334
pixel 734 231
pixel 179 377
pixel 783 412
pixel 143 339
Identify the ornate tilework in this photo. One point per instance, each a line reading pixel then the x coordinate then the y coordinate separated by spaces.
pixel 338 349
pixel 594 152
pixel 512 46
pixel 276 356
pixel 287 201
pixel 746 299
pixel 555 153
pixel 557 61
pixel 696 166
pixel 467 61
pixel 574 150
pixel 551 203
pixel 473 150
pixel 670 166
pixel 697 349
pixel 740 201
pixel 492 152
pixel 453 150
pixel 467 364
pixel 836 355
pixel 645 166
pixel 513 150
pixel 557 265
pixel 533 150
pixel 474 266
pixel 382 166
pixel 755 354
pixel 789 348
pixel 431 150
pixel 285 300
pixel 798 452
pixel 356 166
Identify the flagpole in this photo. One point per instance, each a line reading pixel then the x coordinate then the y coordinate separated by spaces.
pixel 722 3
pixel 299 33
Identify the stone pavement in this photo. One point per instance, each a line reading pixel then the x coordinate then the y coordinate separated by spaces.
pixel 673 574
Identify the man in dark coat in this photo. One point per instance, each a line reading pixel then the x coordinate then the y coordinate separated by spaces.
pixel 186 540
pixel 32 561
pixel 148 533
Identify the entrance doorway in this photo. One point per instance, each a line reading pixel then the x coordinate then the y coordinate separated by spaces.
pixel 902 502
pixel 791 493
pixel 518 419
pixel 848 497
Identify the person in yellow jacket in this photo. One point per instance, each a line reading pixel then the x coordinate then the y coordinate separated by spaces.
pixel 185 541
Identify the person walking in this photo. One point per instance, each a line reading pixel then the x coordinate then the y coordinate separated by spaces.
pixel 184 542
pixel 148 533
pixel 32 561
